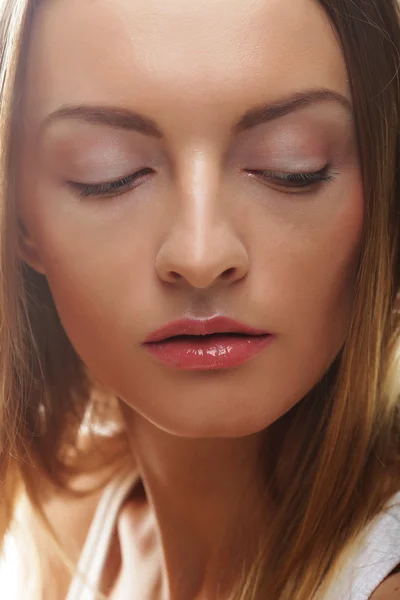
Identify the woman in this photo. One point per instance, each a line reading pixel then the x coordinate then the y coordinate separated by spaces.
pixel 200 263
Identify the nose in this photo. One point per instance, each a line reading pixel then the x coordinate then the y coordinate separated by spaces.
pixel 202 248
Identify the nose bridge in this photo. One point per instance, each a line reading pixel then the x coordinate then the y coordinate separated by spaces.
pixel 200 205
pixel 202 245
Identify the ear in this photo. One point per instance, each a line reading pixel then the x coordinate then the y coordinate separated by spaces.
pixel 27 249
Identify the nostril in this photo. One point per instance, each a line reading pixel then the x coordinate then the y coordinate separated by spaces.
pixel 174 275
pixel 228 273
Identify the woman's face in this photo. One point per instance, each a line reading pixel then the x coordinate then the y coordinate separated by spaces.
pixel 217 105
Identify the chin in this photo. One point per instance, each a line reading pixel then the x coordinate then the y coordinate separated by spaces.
pixel 222 420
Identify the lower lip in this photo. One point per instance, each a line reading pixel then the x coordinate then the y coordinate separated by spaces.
pixel 207 353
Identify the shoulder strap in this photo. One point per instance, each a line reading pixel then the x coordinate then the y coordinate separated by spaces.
pixel 94 553
pixel 376 555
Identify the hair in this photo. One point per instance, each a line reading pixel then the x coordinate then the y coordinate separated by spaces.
pixel 346 464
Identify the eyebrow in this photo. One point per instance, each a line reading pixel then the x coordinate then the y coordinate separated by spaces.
pixel 125 119
pixel 270 112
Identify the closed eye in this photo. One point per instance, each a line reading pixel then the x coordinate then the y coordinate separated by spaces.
pixel 294 181
pixel 291 181
pixel 109 188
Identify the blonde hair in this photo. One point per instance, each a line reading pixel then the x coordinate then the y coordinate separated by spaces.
pixel 345 465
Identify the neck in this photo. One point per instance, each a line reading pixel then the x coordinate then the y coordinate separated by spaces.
pixel 203 494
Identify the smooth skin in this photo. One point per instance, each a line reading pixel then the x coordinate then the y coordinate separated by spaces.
pixel 187 94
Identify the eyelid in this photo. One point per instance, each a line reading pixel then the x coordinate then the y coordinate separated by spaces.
pixel 109 188
pixel 283 179
pixel 295 180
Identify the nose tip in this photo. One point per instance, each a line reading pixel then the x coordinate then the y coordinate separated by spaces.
pixel 218 259
pixel 204 278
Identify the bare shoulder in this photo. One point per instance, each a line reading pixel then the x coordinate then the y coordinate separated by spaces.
pixel 389 590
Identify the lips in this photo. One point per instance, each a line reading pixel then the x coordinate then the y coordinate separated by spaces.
pixel 195 327
pixel 218 343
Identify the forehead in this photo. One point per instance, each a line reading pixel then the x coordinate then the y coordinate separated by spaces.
pixel 180 55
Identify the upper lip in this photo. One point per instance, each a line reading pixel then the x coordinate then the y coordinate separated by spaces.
pixel 202 327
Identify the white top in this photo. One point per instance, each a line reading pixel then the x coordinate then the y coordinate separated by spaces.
pixel 95 550
pixel 377 554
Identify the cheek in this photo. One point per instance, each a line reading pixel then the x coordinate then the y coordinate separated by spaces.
pixel 97 265
pixel 315 292
pixel 99 284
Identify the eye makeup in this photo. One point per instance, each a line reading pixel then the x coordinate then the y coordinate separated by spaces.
pixel 298 153
pixel 295 182
pixel 110 188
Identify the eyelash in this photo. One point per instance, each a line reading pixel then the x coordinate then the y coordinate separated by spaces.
pixel 294 181
pixel 110 188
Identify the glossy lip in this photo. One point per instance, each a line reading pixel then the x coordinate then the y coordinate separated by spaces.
pixel 202 327
pixel 202 351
